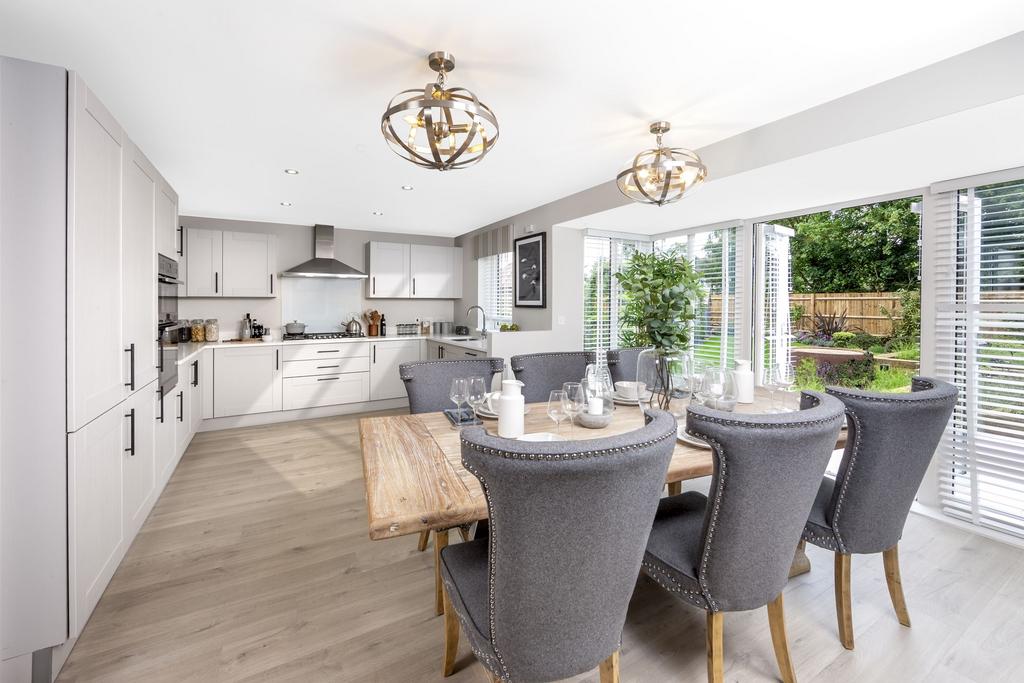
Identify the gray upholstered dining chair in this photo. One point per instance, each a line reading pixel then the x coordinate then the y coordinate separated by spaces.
pixel 545 596
pixel 622 363
pixel 542 373
pixel 733 551
pixel 891 440
pixel 428 383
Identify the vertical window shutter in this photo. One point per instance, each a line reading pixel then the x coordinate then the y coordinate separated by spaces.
pixel 715 255
pixel 978 285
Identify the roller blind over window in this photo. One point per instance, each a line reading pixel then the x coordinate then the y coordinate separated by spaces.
pixel 978 284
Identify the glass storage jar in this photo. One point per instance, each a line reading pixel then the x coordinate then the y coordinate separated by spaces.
pixel 212 330
pixel 198 330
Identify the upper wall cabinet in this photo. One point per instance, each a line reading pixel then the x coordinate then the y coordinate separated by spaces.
pixel 170 240
pixel 138 214
pixel 233 264
pixel 418 271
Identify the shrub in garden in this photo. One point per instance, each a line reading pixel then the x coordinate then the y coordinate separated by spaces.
pixel 857 374
pixel 807 375
pixel 843 340
pixel 827 325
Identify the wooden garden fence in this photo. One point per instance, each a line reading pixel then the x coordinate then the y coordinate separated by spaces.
pixel 863 310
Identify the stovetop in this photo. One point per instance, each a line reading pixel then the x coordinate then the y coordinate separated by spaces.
pixel 324 335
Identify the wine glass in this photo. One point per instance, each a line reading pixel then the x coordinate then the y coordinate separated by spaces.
pixel 771 383
pixel 785 378
pixel 458 393
pixel 696 376
pixel 477 393
pixel 556 408
pixel 575 399
pixel 713 387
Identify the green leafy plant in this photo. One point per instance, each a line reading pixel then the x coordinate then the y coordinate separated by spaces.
pixel 796 314
pixel 807 375
pixel 891 379
pixel 905 349
pixel 827 325
pixel 843 340
pixel 908 326
pixel 661 292
pixel 876 349
pixel 509 327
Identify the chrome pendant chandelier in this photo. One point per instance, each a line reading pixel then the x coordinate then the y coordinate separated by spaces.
pixel 661 175
pixel 439 127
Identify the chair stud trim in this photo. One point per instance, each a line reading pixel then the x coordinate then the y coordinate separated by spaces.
pixel 497 365
pixel 552 354
pixel 719 493
pixel 759 425
pixel 513 455
pixel 847 475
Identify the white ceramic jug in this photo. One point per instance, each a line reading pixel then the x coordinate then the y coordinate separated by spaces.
pixel 511 405
pixel 744 382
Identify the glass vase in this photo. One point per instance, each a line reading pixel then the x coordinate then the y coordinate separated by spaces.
pixel 667 379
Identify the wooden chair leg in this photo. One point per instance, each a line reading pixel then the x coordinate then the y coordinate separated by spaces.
pixel 891 560
pixel 675 488
pixel 451 635
pixel 440 542
pixel 610 668
pixel 424 540
pixel 715 662
pixel 801 565
pixel 844 607
pixel 777 624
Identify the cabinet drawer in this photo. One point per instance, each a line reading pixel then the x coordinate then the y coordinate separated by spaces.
pixel 321 351
pixel 326 390
pixel 330 364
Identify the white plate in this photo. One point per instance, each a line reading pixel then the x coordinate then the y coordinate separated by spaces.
pixel 483 412
pixel 692 440
pixel 622 400
pixel 540 436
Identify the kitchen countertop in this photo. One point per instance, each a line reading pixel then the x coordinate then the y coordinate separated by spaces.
pixel 187 351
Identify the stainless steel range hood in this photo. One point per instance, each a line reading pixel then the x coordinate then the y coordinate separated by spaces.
pixel 323 263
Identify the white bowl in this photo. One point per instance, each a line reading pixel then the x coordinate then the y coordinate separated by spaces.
pixel 630 390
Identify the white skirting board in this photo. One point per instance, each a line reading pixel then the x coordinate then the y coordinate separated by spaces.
pixel 217 423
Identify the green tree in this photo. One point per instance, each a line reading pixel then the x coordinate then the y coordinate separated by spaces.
pixel 869 248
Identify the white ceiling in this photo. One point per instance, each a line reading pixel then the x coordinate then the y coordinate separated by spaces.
pixel 974 141
pixel 224 95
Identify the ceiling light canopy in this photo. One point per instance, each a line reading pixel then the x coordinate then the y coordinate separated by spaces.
pixel 439 127
pixel 291 171
pixel 661 175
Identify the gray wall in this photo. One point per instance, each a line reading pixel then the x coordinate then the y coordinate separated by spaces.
pixel 295 245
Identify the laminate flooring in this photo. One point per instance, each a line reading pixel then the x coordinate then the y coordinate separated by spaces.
pixel 255 565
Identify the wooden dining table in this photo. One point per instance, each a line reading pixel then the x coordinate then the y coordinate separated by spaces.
pixel 415 481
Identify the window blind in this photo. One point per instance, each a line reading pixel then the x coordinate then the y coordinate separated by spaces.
pixel 776 274
pixel 602 296
pixel 494 287
pixel 714 255
pixel 978 285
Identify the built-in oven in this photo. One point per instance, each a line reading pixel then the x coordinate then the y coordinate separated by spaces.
pixel 167 305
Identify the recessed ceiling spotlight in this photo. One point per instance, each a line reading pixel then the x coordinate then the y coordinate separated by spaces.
pixel 378 213
pixel 407 187
pixel 291 171
pixel 286 203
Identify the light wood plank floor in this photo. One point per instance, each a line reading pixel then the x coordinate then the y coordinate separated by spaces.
pixel 256 565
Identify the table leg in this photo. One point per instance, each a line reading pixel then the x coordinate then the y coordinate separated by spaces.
pixel 675 488
pixel 801 564
pixel 440 542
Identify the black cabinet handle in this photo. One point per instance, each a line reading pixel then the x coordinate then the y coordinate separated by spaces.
pixel 131 373
pixel 271 283
pixel 159 356
pixel 325 367
pixel 160 393
pixel 181 406
pixel 277 359
pixel 216 282
pixel 131 447
pixel 195 372
pixel 374 353
pixel 181 240
pixel 326 379
pixel 330 351
pixel 374 287
pixel 470 353
pixel 414 286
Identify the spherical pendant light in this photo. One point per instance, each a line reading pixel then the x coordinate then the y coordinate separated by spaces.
pixel 439 127
pixel 661 175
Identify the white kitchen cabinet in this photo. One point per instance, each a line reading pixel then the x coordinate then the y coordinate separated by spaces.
pixel 203 262
pixel 385 357
pixel 140 458
pixel 232 264
pixel 206 383
pixel 96 470
pixel 452 352
pixel 434 351
pixel 326 390
pixel 389 271
pixel 96 362
pixel 196 388
pixel 182 413
pixel 430 271
pixel 169 235
pixel 248 264
pixel 166 435
pixel 138 257
pixel 326 351
pixel 246 380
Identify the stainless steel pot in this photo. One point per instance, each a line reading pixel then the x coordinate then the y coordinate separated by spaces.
pixel 354 327
pixel 295 327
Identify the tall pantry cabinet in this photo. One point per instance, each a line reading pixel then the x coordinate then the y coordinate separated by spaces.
pixel 82 215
